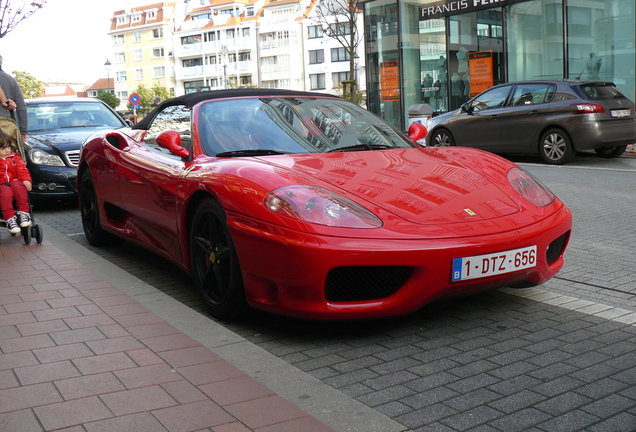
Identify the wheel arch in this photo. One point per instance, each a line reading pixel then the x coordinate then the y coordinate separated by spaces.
pixel 546 128
pixel 191 207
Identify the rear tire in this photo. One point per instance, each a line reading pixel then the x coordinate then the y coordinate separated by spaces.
pixel 555 147
pixel 611 152
pixel 89 209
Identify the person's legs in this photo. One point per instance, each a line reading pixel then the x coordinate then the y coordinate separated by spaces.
pixel 6 202
pixel 21 197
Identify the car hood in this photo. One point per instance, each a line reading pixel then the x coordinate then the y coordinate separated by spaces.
pixel 62 140
pixel 421 186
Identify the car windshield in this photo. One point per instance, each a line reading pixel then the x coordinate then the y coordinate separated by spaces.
pixel 276 125
pixel 61 115
pixel 600 92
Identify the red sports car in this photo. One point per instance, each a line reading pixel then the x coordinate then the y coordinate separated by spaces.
pixel 307 205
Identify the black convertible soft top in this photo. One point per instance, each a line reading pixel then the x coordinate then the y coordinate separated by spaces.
pixel 194 98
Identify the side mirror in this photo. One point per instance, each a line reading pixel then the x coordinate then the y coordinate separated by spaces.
pixel 171 141
pixel 417 131
pixel 466 108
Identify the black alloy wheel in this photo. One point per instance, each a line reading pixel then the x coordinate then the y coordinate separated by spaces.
pixel 215 266
pixel 555 147
pixel 442 138
pixel 610 152
pixel 89 211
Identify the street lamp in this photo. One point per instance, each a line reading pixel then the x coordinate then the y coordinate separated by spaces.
pixel 107 66
pixel 223 54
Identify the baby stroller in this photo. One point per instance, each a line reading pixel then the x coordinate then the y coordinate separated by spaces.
pixel 9 126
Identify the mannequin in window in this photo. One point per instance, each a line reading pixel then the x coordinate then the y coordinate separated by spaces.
pixel 427 88
pixel 593 67
pixel 462 60
pixel 441 68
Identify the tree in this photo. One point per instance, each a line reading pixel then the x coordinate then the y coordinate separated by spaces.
pixel 147 95
pixel 13 12
pixel 339 21
pixel 31 87
pixel 108 98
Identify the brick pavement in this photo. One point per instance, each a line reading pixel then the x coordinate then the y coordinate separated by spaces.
pixel 558 357
pixel 77 354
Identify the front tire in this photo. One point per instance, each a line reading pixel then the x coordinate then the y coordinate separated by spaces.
pixel 442 138
pixel 555 147
pixel 215 266
pixel 89 209
pixel 610 152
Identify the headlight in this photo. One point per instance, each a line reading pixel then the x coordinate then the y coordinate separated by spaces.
pixel 320 206
pixel 40 157
pixel 530 188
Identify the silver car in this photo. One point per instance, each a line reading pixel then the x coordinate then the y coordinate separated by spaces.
pixel 552 118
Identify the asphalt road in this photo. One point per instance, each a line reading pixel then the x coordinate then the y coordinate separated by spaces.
pixel 563 360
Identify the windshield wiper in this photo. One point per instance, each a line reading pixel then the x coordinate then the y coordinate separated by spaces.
pixel 250 152
pixel 361 147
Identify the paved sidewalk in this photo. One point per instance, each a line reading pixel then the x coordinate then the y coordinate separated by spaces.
pixel 78 354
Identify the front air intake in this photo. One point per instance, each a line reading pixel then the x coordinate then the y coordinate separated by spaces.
pixel 346 284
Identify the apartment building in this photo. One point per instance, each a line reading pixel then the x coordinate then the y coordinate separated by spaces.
pixel 143 48
pixel 216 44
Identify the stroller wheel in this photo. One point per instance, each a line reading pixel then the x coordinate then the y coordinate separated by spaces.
pixel 26 235
pixel 36 231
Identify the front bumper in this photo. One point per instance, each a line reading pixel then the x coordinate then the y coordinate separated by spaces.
pixel 53 182
pixel 293 273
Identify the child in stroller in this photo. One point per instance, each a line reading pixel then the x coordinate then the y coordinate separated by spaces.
pixel 15 182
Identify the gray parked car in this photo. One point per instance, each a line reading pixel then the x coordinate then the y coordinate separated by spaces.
pixel 552 118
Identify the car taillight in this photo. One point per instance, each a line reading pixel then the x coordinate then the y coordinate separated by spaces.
pixel 588 108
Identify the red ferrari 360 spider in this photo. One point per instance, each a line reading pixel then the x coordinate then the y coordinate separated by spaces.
pixel 307 205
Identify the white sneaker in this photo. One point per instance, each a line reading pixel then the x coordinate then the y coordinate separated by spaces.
pixel 12 224
pixel 25 219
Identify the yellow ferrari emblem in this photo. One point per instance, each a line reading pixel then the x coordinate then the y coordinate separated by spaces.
pixel 470 212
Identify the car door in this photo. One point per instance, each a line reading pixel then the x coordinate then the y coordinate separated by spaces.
pixel 478 125
pixel 522 120
pixel 149 182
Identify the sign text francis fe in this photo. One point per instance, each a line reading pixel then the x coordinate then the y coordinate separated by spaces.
pixel 453 7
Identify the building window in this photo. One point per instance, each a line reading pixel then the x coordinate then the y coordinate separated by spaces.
pixel 91 93
pixel 151 15
pixel 316 56
pixel 229 34
pixel 245 32
pixel 246 79
pixel 212 36
pixel 317 81
pixel 120 76
pixel 314 32
pixel 138 55
pixel 137 37
pixel 212 60
pixel 122 19
pixel 339 54
pixel 192 62
pixel 118 39
pixel 203 16
pixel 157 33
pixel 139 74
pixel 120 58
pixel 249 11
pixel 159 72
pixel 338 77
pixel 189 40
pixel 157 52
pixel 122 95
pixel 340 29
pixel 245 56
pixel 231 58
pixel 135 18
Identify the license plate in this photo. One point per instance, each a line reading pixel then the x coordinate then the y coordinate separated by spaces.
pixel 479 266
pixel 620 113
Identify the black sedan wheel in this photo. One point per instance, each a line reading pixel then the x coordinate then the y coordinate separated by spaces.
pixel 555 147
pixel 442 138
pixel 611 152
pixel 89 210
pixel 215 266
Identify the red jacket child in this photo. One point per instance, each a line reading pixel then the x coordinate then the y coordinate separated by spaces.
pixel 15 182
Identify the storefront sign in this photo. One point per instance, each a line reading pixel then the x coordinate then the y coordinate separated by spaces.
pixel 480 68
pixel 389 81
pixel 454 7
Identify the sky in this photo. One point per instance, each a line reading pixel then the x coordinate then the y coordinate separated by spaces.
pixel 65 41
